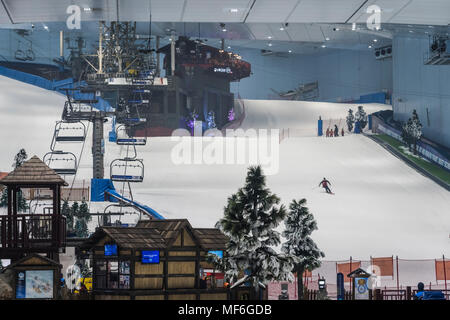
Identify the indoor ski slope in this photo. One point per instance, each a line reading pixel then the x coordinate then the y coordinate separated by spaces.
pixel 382 207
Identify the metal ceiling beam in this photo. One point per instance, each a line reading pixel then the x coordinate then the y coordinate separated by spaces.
pixel 7 11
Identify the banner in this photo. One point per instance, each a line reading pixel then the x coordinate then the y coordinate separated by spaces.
pixel 386 266
pixel 345 269
pixel 440 274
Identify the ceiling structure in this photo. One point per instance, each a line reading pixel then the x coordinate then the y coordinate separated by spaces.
pixel 300 26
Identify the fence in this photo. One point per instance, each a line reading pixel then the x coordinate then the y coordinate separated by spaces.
pixel 425 150
pixel 391 275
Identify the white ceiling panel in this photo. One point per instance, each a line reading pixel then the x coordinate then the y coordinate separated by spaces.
pixel 3 15
pixel 389 9
pixel 324 11
pixel 215 10
pixel 271 11
pixel 298 32
pixel 436 12
pixel 23 11
pixel 162 10
pixel 260 31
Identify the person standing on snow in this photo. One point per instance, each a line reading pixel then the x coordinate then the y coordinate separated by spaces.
pixel 324 183
pixel 342 132
pixel 336 131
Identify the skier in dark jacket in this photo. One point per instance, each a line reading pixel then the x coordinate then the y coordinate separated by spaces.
pixel 324 183
pixel 336 131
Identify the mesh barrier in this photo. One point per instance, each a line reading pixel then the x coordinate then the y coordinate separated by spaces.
pixel 389 273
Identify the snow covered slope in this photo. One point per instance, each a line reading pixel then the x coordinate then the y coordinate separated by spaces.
pixel 382 207
pixel 299 114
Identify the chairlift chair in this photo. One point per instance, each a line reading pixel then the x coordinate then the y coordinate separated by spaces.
pixel 127 170
pixel 69 131
pixel 124 139
pixel 63 163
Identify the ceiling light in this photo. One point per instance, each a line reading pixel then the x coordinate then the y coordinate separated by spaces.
pixel 269 44
pixel 234 10
pixel 46 27
pixel 353 26
pixel 337 29
pixel 269 37
pixel 281 29
pixel 375 40
pixel 87 9
pixel 324 46
pixel 328 39
pixel 370 47
pixel 224 30
pixel 228 47
pixel 290 51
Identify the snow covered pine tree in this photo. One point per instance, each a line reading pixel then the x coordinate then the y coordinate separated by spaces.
pixel 350 120
pixel 22 204
pixel 361 117
pixel 416 129
pixel 250 219
pixel 299 245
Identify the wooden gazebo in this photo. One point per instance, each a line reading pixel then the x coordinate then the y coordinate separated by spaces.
pixel 22 234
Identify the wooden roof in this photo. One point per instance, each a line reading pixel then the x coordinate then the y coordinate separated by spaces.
pixel 158 234
pixel 33 256
pixel 33 172
pixel 135 238
pixel 168 228
pixel 211 238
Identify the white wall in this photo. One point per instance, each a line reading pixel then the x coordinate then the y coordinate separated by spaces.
pixel 421 87
pixel 342 74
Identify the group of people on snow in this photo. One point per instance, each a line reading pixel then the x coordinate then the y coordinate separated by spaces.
pixel 334 132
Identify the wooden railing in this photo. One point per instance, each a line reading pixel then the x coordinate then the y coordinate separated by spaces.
pixel 32 230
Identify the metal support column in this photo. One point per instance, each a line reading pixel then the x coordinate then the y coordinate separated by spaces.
pixel 98 146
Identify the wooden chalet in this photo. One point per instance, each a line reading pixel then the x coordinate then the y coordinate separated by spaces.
pixel 156 260
pixel 23 233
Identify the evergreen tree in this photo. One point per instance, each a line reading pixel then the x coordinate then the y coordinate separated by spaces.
pixel 350 120
pixel 406 133
pixel 68 213
pixel 299 225
pixel 20 158
pixel 250 219
pixel 361 117
pixel 415 129
pixel 22 204
pixel 81 213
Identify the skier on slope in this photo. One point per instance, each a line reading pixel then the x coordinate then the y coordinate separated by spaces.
pixel 324 183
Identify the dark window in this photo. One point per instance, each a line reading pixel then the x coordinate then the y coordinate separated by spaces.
pixel 112 274
pixel 172 102
pixel 157 102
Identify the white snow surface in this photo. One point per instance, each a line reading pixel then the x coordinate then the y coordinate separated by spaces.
pixel 381 206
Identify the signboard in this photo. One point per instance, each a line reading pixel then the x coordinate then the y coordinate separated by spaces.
pixel 340 286
pixel 361 289
pixel 34 284
pixel 150 256
pixel 110 249
pixel 218 253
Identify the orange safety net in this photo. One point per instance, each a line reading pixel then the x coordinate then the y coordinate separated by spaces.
pixel 440 274
pixel 386 266
pixel 346 269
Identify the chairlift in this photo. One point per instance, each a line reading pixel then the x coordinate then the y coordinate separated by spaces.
pixel 124 139
pixel 113 213
pixel 127 170
pixel 69 131
pixel 63 163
